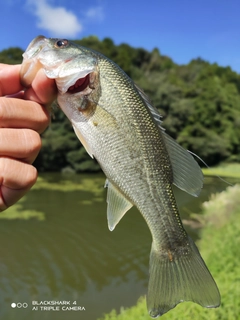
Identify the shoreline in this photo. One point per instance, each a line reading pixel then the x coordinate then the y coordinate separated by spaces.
pixel 224 170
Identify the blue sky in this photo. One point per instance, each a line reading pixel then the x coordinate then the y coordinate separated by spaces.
pixel 181 29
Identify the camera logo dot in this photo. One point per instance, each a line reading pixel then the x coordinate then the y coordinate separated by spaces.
pixel 19 305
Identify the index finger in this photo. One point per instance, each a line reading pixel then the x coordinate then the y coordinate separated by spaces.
pixel 9 79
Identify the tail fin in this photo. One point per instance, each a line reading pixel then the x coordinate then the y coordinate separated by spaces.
pixel 174 279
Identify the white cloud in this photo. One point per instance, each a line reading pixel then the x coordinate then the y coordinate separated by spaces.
pixel 95 13
pixel 58 21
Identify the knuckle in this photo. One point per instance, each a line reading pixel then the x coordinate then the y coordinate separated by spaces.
pixel 3 110
pixel 31 176
pixel 44 120
pixel 32 142
pixel 40 117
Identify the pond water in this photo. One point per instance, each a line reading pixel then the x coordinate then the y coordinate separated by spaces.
pixel 57 247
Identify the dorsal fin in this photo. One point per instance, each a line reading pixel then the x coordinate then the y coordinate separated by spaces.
pixel 187 175
pixel 152 109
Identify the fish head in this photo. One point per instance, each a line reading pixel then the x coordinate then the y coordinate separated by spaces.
pixel 73 67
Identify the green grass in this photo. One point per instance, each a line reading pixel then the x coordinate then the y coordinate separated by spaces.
pixel 220 248
pixel 231 170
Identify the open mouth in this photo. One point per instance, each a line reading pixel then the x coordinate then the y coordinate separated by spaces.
pixel 80 85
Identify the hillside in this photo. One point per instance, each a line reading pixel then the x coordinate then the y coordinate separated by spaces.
pixel 199 102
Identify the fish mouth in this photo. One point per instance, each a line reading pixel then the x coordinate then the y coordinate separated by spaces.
pixel 75 83
pixel 80 85
pixel 73 72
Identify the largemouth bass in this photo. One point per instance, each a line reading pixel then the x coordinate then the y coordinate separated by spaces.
pixel 119 127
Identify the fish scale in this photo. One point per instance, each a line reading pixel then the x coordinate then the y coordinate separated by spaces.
pixel 119 127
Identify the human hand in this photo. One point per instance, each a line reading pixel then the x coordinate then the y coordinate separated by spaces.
pixel 23 116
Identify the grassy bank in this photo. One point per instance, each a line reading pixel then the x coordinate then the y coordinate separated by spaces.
pixel 219 246
pixel 231 170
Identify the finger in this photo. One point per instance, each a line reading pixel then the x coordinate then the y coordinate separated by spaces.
pixel 9 79
pixel 16 178
pixel 18 113
pixel 23 144
pixel 43 90
pixel 18 95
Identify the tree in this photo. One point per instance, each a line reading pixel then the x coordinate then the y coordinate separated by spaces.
pixel 199 103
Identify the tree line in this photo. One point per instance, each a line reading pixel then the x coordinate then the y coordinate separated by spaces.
pixel 199 103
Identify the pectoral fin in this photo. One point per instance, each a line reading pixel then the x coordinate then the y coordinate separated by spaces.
pixel 187 175
pixel 118 205
pixel 83 141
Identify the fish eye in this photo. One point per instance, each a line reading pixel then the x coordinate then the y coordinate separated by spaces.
pixel 61 43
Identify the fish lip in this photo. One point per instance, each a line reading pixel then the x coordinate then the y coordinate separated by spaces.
pixel 31 63
pixel 33 53
pixel 35 46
